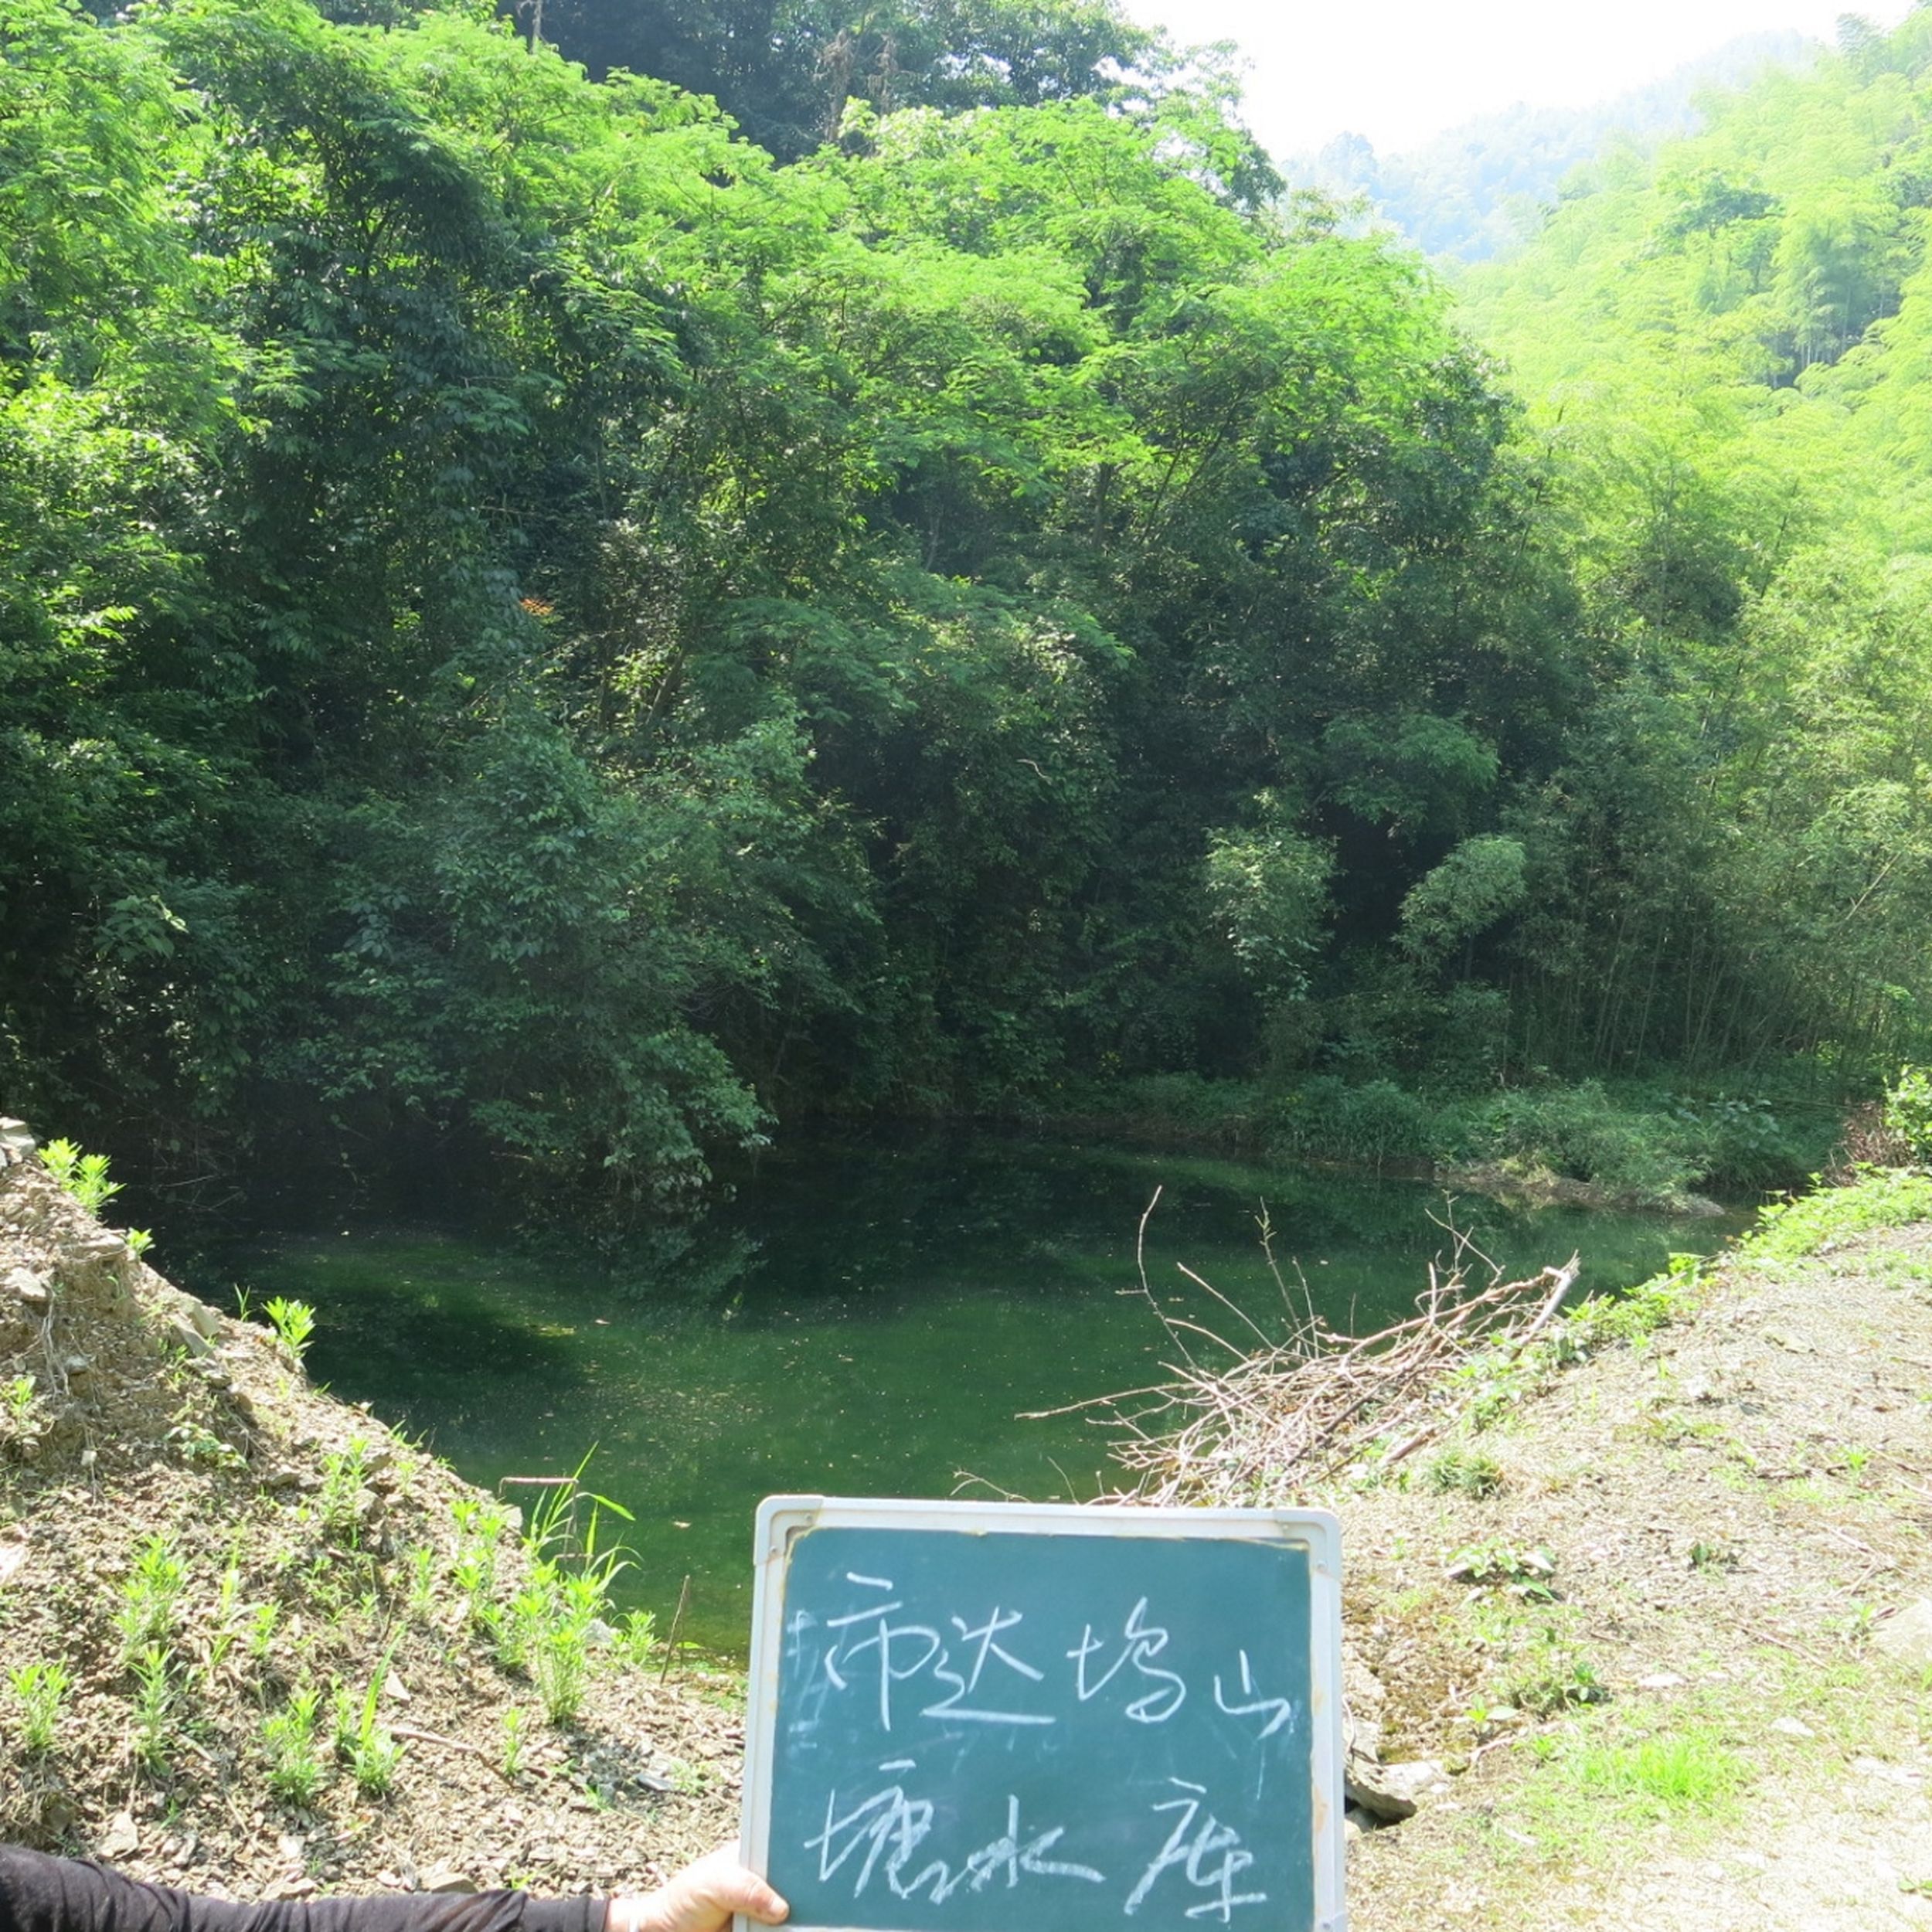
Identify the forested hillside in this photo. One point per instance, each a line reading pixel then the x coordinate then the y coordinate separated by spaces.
pixel 1484 187
pixel 535 626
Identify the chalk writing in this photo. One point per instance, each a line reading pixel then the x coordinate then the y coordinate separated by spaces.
pixel 975 1731
pixel 1277 1710
pixel 889 1825
pixel 1140 1641
pixel 1189 1852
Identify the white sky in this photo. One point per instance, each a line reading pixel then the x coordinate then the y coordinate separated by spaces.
pixel 1401 70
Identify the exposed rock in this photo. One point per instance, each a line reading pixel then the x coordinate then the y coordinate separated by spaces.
pixel 185 1336
pixel 1392 1792
pixel 445 1877
pixel 1362 1699
pixel 27 1287
pixel 120 1840
pixel 1908 1636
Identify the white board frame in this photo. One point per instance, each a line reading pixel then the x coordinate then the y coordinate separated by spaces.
pixel 1317 1531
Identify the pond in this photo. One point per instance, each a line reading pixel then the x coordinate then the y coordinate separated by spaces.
pixel 869 1319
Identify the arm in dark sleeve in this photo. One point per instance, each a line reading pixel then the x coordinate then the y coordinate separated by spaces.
pixel 42 1894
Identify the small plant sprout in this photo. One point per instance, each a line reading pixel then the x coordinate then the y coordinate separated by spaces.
pixel 149 1596
pixel 294 1321
pixel 154 1708
pixel 221 1638
pixel 512 1740
pixel 18 1394
pixel 479 1531
pixel 422 1574
pixel 261 1629
pixel 362 1741
pixel 1508 1567
pixel 340 1499
pixel 1713 1555
pixel 83 1175
pixel 636 1636
pixel 40 1689
pixel 288 1735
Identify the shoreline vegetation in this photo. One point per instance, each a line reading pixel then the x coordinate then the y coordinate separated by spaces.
pixel 1641 1144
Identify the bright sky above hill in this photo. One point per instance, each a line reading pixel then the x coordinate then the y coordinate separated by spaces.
pixel 1401 70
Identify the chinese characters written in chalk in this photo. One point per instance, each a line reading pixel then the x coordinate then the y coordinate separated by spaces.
pixel 983 1667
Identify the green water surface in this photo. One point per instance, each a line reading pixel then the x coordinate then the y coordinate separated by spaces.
pixel 869 1320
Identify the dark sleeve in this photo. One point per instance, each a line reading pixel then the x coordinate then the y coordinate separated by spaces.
pixel 42 1894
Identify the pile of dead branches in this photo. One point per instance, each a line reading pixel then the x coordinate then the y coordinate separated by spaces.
pixel 1288 1416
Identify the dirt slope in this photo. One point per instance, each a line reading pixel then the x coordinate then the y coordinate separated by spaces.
pixel 196 1538
pixel 1695 1689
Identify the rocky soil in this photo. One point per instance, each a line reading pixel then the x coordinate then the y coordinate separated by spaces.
pixel 1675 1667
pixel 197 1539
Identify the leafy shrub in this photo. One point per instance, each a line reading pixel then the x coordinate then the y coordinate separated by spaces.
pixel 1581 1133
pixel 1908 1110
pixel 1374 1123
pixel 1462 1471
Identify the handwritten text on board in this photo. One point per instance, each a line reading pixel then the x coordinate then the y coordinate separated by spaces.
pixel 1120 1730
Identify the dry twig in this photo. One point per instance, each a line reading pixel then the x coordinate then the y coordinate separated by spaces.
pixel 1286 1418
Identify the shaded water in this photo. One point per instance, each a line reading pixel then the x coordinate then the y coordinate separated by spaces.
pixel 866 1320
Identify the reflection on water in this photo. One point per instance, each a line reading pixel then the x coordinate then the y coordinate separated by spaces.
pixel 869 1320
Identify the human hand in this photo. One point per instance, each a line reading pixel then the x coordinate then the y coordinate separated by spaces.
pixel 702 1898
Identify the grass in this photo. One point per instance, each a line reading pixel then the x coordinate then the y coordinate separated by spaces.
pixel 1884 1198
pixel 1658 1777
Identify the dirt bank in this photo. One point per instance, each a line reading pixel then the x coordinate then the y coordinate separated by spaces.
pixel 1665 1615
pixel 198 1540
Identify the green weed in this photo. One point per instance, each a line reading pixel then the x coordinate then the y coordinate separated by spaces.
pixel 288 1734
pixel 83 1175
pixel 362 1741
pixel 421 1560
pixel 40 1689
pixel 1494 1564
pixel 198 1447
pixel 154 1693
pixel 148 1599
pixel 479 1537
pixel 262 1620
pixel 18 1394
pixel 637 1636
pixel 294 1321
pixel 1467 1472
pixel 336 1503
pixel 512 1758
pixel 1713 1555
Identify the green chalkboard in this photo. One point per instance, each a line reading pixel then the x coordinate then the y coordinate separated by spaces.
pixel 1036 1718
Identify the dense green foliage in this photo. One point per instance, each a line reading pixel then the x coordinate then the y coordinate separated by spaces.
pixel 532 625
pixel 1725 352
